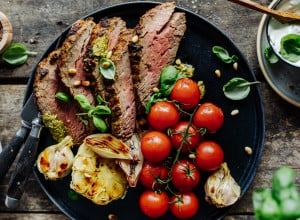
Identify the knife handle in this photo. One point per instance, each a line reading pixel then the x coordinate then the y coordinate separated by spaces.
pixel 10 152
pixel 24 166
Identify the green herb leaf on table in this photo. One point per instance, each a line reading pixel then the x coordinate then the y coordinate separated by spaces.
pixel 223 54
pixel 290 47
pixel 281 201
pixel 237 88
pixel 16 54
pixel 107 68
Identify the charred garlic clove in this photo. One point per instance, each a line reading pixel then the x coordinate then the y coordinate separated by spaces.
pixel 56 160
pixel 221 189
pixel 108 146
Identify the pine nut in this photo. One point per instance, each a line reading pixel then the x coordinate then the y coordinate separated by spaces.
pixel 86 83
pixel 106 64
pixel 155 89
pixel 77 83
pixel 178 62
pixel 109 54
pixel 218 73
pixel 135 39
pixel 235 66
pixel 234 112
pixel 248 150
pixel 72 71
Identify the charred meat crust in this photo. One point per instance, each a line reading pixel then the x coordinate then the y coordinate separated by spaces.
pixel 46 84
pixel 72 52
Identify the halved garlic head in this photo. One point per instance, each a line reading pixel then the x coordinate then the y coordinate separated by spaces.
pixel 221 189
pixel 108 146
pixel 56 161
pixel 6 32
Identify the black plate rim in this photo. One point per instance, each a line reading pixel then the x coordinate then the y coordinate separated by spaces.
pixel 248 177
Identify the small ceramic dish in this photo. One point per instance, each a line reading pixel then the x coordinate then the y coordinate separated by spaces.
pixel 6 32
pixel 282 37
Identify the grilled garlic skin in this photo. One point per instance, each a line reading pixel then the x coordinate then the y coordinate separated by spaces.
pixel 221 189
pixel 56 161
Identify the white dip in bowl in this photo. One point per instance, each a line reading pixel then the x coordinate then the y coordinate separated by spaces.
pixel 276 30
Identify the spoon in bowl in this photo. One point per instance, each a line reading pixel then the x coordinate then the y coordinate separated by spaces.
pixel 281 16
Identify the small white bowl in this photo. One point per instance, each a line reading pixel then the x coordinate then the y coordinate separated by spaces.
pixel 276 30
pixel 6 32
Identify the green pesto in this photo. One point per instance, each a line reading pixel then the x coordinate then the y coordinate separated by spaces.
pixel 55 126
pixel 100 46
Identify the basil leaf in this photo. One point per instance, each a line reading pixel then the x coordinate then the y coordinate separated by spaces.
pixel 290 47
pixel 100 100
pixel 16 54
pixel 154 98
pixel 83 102
pixel 62 96
pixel 99 110
pixel 223 54
pixel 107 68
pixel 237 88
pixel 100 124
pixel 270 55
pixel 168 78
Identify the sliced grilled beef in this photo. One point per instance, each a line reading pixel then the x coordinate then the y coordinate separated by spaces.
pixel 71 63
pixel 47 83
pixel 160 31
pixel 118 92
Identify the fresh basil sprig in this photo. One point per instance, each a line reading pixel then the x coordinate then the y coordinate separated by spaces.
pixel 94 112
pixel 237 88
pixel 168 77
pixel 223 54
pixel 290 47
pixel 16 54
pixel 62 96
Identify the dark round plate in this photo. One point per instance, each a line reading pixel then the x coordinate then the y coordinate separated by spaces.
pixel 245 129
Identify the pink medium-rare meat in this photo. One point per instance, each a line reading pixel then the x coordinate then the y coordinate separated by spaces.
pixel 46 84
pixel 160 31
pixel 118 92
pixel 71 64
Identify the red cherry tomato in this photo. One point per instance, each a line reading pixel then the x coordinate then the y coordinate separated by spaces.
pixel 155 146
pixel 209 156
pixel 177 136
pixel 185 176
pixel 184 205
pixel 152 173
pixel 186 92
pixel 163 115
pixel 154 204
pixel 209 116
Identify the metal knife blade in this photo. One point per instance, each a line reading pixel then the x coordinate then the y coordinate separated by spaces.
pixel 9 153
pixel 24 165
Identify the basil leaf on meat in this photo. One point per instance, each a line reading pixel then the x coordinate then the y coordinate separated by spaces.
pixel 100 124
pixel 168 78
pixel 99 110
pixel 83 102
pixel 107 68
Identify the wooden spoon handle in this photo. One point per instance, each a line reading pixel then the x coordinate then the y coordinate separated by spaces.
pixel 255 6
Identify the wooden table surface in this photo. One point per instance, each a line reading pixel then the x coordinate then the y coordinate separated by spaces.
pixel 37 22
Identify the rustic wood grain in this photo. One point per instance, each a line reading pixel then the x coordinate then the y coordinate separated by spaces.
pixel 37 23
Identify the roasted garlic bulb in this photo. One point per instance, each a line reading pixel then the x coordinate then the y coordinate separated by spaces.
pixel 221 189
pixel 108 146
pixel 99 179
pixel 56 160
